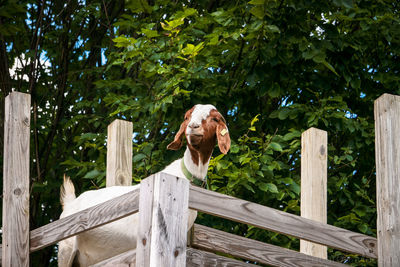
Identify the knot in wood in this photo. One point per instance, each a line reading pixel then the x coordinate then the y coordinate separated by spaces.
pixel 121 179
pixel 322 150
pixel 26 121
pixel 17 191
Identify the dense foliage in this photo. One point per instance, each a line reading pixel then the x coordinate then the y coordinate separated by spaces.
pixel 274 68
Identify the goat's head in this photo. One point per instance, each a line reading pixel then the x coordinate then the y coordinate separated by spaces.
pixel 203 127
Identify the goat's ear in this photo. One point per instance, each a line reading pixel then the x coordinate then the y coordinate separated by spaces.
pixel 224 140
pixel 177 143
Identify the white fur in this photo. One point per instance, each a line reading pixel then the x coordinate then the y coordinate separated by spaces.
pixel 200 113
pixel 199 171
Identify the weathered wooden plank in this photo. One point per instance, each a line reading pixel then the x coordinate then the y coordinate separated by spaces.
pixel 126 259
pixel 199 258
pixel 218 241
pixel 167 203
pixel 145 219
pixel 119 153
pixel 195 258
pixel 275 220
pixel 387 147
pixel 15 242
pixel 87 219
pixel 314 176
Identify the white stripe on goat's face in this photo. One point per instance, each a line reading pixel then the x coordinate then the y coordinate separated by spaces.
pixel 200 113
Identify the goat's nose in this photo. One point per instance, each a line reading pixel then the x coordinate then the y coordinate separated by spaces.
pixel 194 125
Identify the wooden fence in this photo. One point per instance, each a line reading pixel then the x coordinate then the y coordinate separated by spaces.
pixel 163 201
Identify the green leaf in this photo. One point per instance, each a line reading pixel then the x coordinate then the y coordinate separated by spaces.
pixel 310 53
pixel 284 113
pixel 122 41
pixel 275 90
pixel 291 135
pixel 137 6
pixel 150 33
pixel 360 210
pixel 275 146
pixel 295 188
pixel 192 50
pixel 257 12
pixel 363 228
pixel 319 57
pixel 234 149
pixel 92 174
pixel 346 3
pixel 330 67
pixel 173 24
pixel 254 120
pixel 268 187
pixel 273 28
pixel 249 187
pixel 139 157
pixel 257 2
pixel 222 164
pixel 189 12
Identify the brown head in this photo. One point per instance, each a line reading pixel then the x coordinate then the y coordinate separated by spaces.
pixel 203 126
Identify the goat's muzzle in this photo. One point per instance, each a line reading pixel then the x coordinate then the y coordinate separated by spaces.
pixel 195 139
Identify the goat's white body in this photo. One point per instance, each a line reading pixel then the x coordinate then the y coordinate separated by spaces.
pixel 108 240
pixel 111 239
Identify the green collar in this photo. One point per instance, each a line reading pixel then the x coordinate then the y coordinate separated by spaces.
pixel 193 180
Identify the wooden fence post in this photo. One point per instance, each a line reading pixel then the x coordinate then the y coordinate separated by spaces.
pixel 15 249
pixel 387 155
pixel 314 154
pixel 119 153
pixel 163 219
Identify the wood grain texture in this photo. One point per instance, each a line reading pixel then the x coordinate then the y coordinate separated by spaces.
pixel 119 153
pixel 271 219
pixel 15 249
pixel 314 176
pixel 145 219
pixel 387 149
pixel 218 241
pixel 167 234
pixel 126 259
pixel 195 258
pixel 199 258
pixel 85 220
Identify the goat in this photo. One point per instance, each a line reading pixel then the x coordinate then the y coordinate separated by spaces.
pixel 203 126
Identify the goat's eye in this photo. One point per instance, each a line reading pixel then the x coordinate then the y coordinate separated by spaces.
pixel 215 119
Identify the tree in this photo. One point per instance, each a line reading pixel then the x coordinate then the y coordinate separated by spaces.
pixel 53 50
pixel 273 68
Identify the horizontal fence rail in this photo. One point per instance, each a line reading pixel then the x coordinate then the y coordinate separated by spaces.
pixel 200 258
pixel 85 220
pixel 194 258
pixel 278 221
pixel 211 239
